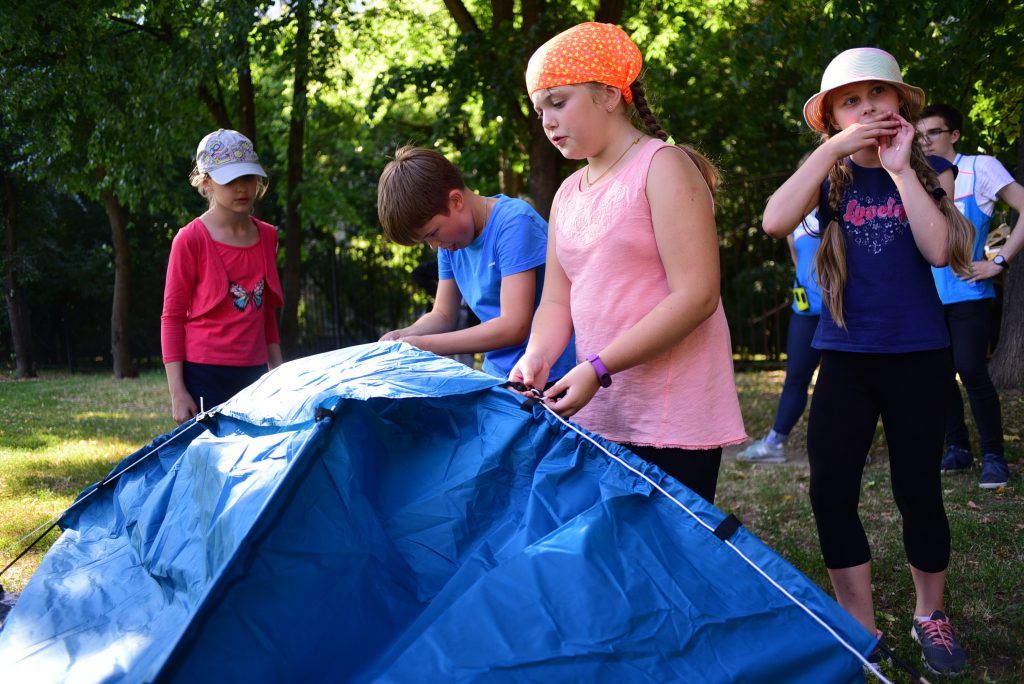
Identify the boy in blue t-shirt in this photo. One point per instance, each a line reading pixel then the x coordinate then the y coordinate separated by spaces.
pixel 490 251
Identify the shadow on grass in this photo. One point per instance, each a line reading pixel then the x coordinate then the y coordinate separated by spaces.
pixel 85 426
pixel 57 478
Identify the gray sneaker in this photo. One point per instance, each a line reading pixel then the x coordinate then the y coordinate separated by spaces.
pixel 762 452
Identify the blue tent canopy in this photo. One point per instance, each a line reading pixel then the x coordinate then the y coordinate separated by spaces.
pixel 378 513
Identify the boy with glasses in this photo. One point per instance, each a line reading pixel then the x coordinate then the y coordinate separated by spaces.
pixel 981 183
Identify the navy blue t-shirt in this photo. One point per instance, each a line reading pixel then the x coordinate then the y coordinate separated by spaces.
pixel 890 301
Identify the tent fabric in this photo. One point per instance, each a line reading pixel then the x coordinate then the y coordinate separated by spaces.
pixel 429 525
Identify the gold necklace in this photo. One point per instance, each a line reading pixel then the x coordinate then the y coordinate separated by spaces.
pixel 586 173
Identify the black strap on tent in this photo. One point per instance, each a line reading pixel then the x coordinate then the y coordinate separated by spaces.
pixel 728 527
pixel 917 677
pixel 530 401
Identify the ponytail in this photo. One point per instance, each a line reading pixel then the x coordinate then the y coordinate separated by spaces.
pixel 707 169
pixel 831 258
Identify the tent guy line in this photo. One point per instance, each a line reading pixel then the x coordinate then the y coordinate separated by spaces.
pixel 867 664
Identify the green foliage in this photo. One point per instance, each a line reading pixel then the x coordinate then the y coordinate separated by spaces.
pixel 126 90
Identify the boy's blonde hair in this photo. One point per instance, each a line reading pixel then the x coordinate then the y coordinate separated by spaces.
pixel 413 188
pixel 197 179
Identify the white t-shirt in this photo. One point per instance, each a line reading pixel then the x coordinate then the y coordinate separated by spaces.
pixel 985 175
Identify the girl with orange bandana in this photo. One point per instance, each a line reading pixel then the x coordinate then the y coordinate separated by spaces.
pixel 632 267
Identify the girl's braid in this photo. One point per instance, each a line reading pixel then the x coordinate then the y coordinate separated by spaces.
pixel 831 258
pixel 643 110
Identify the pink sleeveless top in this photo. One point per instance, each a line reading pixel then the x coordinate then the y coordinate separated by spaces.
pixel 686 396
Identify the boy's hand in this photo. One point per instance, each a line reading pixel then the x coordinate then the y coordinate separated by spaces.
pixel 578 386
pixel 392 336
pixel 865 133
pixel 418 341
pixel 982 270
pixel 531 370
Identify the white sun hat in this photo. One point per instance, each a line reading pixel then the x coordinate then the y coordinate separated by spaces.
pixel 853 66
pixel 225 155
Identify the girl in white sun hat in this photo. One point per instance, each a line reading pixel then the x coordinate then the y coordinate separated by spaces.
pixel 218 331
pixel 886 217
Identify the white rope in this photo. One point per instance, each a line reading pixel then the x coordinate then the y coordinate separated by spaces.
pixel 868 665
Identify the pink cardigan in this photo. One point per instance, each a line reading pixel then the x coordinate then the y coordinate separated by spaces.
pixel 197 283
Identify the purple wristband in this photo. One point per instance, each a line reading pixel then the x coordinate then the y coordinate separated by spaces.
pixel 603 376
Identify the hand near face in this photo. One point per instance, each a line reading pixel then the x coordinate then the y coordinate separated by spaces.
pixel 894 153
pixel 865 133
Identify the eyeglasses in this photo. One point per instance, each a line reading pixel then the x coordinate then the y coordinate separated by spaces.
pixel 931 133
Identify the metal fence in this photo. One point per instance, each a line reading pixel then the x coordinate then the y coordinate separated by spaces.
pixel 352 295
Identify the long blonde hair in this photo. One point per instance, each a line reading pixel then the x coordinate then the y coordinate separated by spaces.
pixel 831 259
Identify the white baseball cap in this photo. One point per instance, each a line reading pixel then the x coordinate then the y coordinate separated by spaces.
pixel 225 155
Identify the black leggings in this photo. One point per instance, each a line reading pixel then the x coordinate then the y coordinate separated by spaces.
pixel 697 468
pixel 911 393
pixel 968 334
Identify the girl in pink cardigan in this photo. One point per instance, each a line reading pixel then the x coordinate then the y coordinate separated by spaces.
pixel 632 267
pixel 218 330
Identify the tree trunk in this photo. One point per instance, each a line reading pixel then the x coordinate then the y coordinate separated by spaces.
pixel 293 218
pixel 545 169
pixel 246 93
pixel 1007 365
pixel 215 106
pixel 21 336
pixel 119 349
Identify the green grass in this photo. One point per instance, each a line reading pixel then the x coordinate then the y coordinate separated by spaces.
pixel 62 432
pixel 985 595
pixel 59 434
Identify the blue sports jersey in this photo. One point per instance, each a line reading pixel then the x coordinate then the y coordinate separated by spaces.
pixel 980 178
pixel 806 240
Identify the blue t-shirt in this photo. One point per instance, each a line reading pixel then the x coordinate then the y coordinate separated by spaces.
pixel 806 239
pixel 890 301
pixel 514 240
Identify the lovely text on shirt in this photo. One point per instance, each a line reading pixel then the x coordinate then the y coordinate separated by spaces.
pixel 857 214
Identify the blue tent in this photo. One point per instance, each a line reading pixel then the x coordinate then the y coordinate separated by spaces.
pixel 381 514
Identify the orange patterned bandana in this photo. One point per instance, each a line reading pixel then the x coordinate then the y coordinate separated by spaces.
pixel 586 53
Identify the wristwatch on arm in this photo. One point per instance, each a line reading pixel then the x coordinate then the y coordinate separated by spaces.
pixel 1001 262
pixel 603 376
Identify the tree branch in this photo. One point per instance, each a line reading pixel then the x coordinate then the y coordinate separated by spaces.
pixel 463 19
pixel 610 11
pixel 163 34
pixel 501 10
